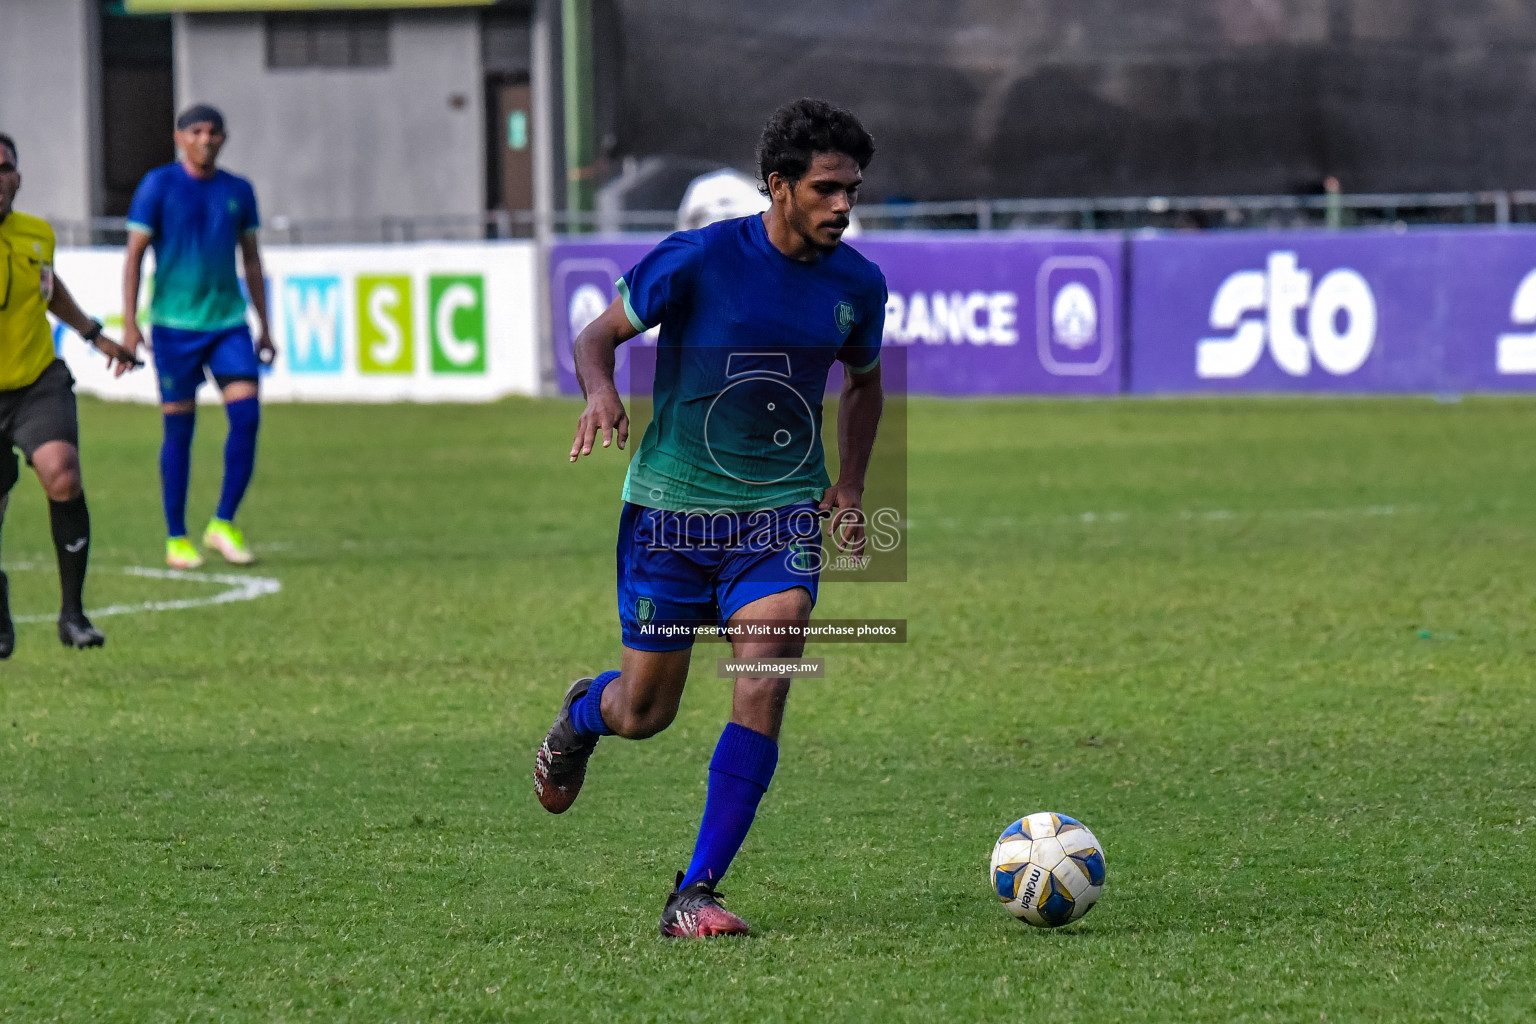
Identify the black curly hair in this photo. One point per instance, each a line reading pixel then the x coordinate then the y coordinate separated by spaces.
pixel 10 144
pixel 797 131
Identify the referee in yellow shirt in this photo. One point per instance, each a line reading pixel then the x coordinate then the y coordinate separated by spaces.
pixel 37 400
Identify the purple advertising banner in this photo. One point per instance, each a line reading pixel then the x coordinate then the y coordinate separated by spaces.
pixel 1005 314
pixel 1424 310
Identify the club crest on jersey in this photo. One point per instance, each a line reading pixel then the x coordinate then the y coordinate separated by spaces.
pixel 843 313
pixel 645 609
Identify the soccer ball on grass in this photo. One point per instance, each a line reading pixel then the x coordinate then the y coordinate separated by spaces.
pixel 1048 869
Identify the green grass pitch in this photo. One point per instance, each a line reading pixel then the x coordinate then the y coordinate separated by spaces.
pixel 1277 654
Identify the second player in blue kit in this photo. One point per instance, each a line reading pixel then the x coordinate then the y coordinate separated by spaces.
pixel 721 522
pixel 195 217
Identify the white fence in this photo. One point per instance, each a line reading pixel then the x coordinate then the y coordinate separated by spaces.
pixel 437 322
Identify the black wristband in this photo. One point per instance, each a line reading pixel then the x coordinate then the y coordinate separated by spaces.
pixel 93 333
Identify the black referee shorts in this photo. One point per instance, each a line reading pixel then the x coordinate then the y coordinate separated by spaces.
pixel 32 416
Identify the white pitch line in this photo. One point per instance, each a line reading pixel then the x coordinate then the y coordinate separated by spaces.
pixel 241 588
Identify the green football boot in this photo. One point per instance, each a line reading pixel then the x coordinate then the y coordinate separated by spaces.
pixel 225 538
pixel 180 554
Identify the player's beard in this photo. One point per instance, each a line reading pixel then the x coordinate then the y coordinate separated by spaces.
pixel 808 226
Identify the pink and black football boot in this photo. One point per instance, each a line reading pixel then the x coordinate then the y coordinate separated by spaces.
pixel 695 913
pixel 560 764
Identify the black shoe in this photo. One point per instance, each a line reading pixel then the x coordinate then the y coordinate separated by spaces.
pixel 560 765
pixel 75 630
pixel 7 627
pixel 696 913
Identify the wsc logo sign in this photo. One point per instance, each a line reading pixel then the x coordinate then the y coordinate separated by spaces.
pixel 457 304
pixel 312 323
pixel 1263 309
pixel 383 325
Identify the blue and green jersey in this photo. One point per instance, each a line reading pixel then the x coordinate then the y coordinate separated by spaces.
pixel 194 226
pixel 747 338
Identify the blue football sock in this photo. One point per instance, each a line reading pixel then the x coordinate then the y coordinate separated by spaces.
pixel 587 713
pixel 239 454
pixel 176 470
pixel 739 774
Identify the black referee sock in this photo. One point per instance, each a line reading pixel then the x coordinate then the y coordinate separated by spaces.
pixel 72 540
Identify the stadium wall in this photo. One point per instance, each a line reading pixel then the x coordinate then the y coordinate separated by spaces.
pixel 422 323
pixel 49 103
pixel 329 144
pixel 1423 311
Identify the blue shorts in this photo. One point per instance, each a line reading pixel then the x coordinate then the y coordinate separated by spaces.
pixel 679 570
pixel 182 356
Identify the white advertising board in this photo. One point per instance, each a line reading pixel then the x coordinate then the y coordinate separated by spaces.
pixel 439 322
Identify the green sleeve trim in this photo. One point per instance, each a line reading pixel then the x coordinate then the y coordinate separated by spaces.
pixel 629 310
pixel 254 229
pixel 143 229
pixel 865 369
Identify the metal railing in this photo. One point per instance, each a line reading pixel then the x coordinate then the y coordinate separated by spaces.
pixel 1089 214
pixel 1207 212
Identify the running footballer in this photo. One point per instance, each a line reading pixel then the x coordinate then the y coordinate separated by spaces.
pixel 723 504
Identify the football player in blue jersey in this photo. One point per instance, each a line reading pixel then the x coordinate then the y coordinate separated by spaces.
pixel 195 216
pixel 724 500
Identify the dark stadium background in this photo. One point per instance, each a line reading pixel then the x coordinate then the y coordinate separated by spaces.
pixel 993 98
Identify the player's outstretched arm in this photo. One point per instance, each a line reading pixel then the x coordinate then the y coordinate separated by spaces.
pixel 64 306
pixel 594 359
pixel 858 420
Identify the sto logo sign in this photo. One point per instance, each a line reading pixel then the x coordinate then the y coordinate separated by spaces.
pixel 1517 350
pixel 1262 307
